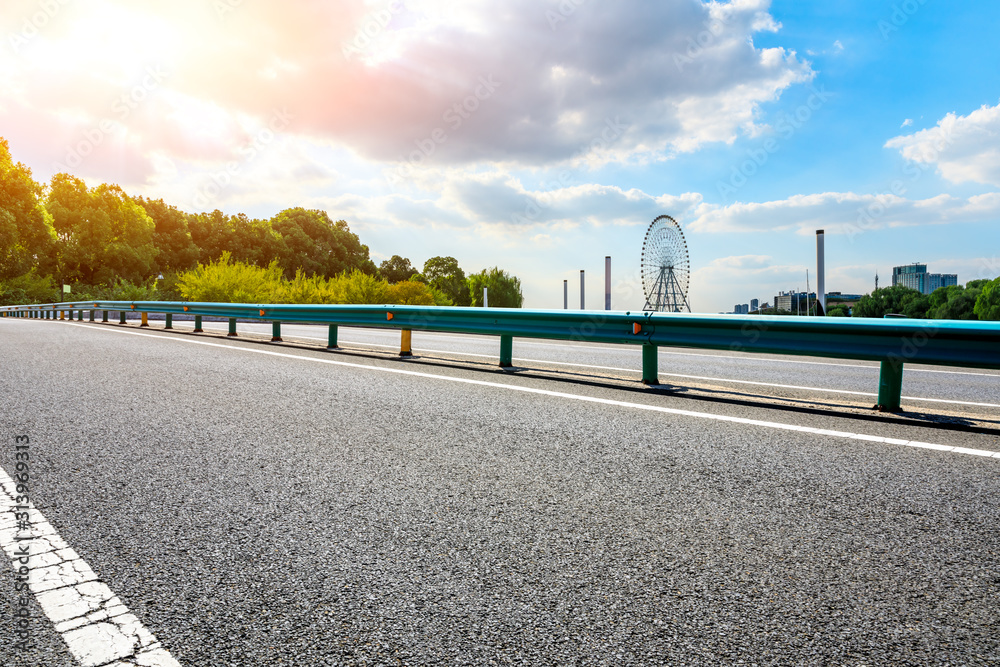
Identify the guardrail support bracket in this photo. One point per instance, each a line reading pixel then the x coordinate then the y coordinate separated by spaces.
pixel 276 332
pixel 650 365
pixel 197 324
pixel 232 327
pixel 121 317
pixel 405 347
pixel 506 351
pixel 169 317
pixel 331 341
pixel 104 317
pixel 890 386
pixel 92 315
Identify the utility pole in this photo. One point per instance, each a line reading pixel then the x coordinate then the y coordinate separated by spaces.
pixel 565 295
pixel 583 304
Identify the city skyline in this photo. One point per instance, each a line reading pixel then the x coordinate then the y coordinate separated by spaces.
pixel 491 136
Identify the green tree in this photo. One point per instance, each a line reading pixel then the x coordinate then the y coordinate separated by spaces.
pixel 411 293
pixel 955 302
pixel 444 274
pixel 103 234
pixel 397 269
pixel 27 239
pixel 503 289
pixel 317 245
pixel 988 302
pixel 171 236
pixel 839 310
pixel 884 301
pixel 247 240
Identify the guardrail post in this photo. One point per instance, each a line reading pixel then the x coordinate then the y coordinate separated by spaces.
pixel 650 365
pixel 405 349
pixel 145 320
pixel 232 327
pixel 275 332
pixel 197 324
pixel 121 317
pixel 79 316
pixel 92 312
pixel 104 317
pixel 506 351
pixel 62 315
pixel 890 385
pixel 169 318
pixel 331 341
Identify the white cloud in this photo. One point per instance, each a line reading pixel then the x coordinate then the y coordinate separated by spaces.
pixel 907 122
pixel 963 148
pixel 842 213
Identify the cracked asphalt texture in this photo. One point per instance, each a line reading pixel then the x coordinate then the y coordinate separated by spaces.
pixel 259 510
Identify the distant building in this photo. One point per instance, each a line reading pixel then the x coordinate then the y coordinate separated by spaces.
pixel 741 309
pixel 915 276
pixel 754 305
pixel 794 301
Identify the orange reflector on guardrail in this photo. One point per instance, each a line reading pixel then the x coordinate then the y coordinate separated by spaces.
pixel 636 328
pixel 185 309
pixel 388 316
pixel 262 313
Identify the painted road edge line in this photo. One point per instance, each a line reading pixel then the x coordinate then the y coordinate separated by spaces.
pixel 676 375
pixel 560 394
pixel 97 628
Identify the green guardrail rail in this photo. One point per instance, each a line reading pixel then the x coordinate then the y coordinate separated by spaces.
pixel 891 342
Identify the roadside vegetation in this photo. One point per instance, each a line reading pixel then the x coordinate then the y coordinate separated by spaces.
pixel 104 244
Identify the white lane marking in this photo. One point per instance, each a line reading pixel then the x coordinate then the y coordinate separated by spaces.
pixel 560 394
pixel 694 377
pixel 678 375
pixel 96 626
pixel 629 350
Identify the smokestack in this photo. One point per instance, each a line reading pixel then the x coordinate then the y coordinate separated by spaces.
pixel 607 283
pixel 820 274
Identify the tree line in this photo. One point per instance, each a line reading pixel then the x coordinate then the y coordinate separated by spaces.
pixel 104 243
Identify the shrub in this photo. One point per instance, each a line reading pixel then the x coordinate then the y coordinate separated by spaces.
pixel 226 281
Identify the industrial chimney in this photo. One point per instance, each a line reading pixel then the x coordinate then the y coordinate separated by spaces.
pixel 820 274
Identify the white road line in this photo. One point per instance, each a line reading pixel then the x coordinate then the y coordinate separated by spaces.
pixel 694 377
pixel 96 626
pixel 565 395
pixel 628 350
pixel 679 375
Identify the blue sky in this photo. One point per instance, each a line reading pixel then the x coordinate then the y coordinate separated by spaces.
pixel 753 123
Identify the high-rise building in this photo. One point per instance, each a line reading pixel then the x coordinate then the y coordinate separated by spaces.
pixel 915 276
pixel 754 305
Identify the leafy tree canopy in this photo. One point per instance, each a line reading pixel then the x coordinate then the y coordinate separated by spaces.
pixel 503 289
pixel 444 274
pixel 27 239
pixel 397 269
pixel 317 245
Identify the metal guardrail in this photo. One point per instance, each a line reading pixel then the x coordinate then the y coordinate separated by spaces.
pixel 892 342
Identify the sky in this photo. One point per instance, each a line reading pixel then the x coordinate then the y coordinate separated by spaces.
pixel 541 135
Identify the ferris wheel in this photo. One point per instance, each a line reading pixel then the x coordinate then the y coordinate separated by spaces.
pixel 665 267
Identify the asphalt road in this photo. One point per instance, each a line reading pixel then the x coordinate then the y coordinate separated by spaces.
pixel 256 504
